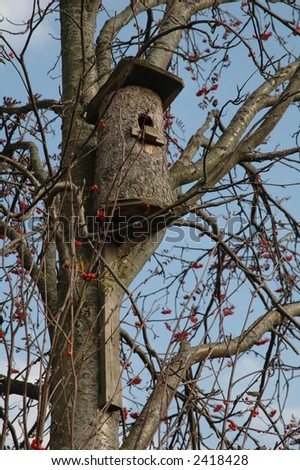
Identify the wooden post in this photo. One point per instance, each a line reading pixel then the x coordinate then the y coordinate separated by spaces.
pixel 110 380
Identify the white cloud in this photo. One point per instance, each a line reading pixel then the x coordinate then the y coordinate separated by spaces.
pixel 14 16
pixel 17 11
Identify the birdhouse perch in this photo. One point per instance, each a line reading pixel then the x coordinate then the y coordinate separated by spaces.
pixel 131 166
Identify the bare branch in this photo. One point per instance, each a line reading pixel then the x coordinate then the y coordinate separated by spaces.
pixel 243 343
pixel 138 350
pixel 183 171
pixel 161 397
pixel 256 280
pixel 274 15
pixel 8 162
pixel 25 255
pixel 224 155
pixel 10 426
pixel 50 104
pixel 110 29
pixel 35 160
pixel 263 157
pixel 19 387
pixel 274 115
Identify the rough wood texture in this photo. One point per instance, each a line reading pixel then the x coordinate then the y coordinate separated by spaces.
pixel 132 71
pixel 131 173
pixel 110 380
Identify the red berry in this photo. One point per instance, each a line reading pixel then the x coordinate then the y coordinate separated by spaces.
pixel 193 318
pixel 34 444
pixel 181 336
pixel 101 214
pixel 193 57
pixel 23 206
pixel 232 426
pixel 202 91
pixel 166 311
pixel 197 265
pixel 135 381
pixel 218 408
pixel 261 342
pixel 125 414
pixel 266 36
pixel 88 276
pixel 297 31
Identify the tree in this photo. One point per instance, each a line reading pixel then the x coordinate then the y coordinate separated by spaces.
pixel 72 248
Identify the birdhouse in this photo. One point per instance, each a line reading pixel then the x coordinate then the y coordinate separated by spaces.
pixel 131 166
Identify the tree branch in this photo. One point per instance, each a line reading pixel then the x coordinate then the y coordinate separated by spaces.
pixel 18 387
pixel 159 401
pixel 183 171
pixel 50 104
pixel 163 49
pixel 257 281
pixel 274 115
pixel 139 351
pixel 224 155
pixel 35 160
pixel 263 157
pixel 265 323
pixel 109 31
pixel 25 255
pixel 9 426
pixel 8 162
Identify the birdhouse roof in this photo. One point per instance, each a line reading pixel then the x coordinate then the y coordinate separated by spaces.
pixel 137 72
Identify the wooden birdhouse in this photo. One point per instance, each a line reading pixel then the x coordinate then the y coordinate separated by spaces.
pixel 131 166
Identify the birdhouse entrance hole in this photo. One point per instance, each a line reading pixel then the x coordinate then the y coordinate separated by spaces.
pixel 145 120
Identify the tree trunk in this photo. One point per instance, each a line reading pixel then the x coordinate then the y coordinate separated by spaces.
pixel 77 420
